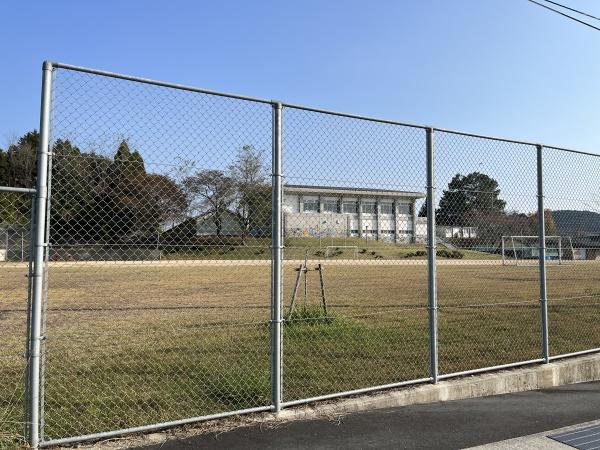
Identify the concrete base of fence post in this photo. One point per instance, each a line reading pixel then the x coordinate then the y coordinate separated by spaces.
pixel 538 376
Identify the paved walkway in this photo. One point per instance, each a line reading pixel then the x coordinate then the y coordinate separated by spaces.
pixel 538 441
pixel 446 425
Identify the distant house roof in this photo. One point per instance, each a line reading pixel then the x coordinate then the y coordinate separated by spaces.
pixel 306 189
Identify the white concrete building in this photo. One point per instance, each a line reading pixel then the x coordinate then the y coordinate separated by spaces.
pixel 450 232
pixel 312 211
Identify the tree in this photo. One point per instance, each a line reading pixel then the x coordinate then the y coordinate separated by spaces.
pixel 467 195
pixel 167 200
pixel 492 225
pixel 94 198
pixel 252 204
pixel 210 193
pixel 17 169
pixel 104 200
pixel 423 210
pixel 21 161
pixel 4 168
pixel 78 178
pixel 123 210
pixel 127 170
pixel 549 223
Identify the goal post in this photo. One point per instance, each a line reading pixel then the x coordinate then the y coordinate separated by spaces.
pixel 525 249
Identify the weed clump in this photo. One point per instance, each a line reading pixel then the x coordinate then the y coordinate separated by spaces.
pixel 454 254
pixel 308 315
pixel 416 254
pixel 450 254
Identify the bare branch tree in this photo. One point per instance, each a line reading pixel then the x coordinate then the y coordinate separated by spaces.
pixel 210 193
pixel 252 199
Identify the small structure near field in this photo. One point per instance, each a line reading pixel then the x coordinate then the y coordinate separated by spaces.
pixel 14 243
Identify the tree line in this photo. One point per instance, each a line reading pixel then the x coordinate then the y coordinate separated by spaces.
pixel 473 200
pixel 96 198
pixel 102 199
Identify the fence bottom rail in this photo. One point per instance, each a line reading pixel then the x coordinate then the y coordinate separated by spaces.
pixel 152 427
pixel 580 353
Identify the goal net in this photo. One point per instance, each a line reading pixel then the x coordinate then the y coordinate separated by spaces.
pixel 525 250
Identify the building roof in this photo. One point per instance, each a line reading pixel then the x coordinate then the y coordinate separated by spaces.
pixel 306 189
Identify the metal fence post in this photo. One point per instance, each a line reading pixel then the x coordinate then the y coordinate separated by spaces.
pixel 30 250
pixel 431 258
pixel 542 253
pixel 38 259
pixel 276 259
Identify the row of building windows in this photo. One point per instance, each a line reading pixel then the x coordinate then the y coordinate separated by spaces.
pixel 333 206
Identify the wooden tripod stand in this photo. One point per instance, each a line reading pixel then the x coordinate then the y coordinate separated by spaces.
pixel 303 269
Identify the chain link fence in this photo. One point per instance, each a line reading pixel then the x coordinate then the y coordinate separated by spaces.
pixel 489 313
pixel 352 190
pixel 205 254
pixel 15 226
pixel 156 196
pixel 571 192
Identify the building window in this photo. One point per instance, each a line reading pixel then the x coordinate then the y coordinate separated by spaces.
pixel 349 208
pixel 369 208
pixel 330 206
pixel 405 209
pixel 311 206
pixel 386 208
pixel 468 232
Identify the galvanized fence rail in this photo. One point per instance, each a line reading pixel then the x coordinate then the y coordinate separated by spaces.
pixel 198 254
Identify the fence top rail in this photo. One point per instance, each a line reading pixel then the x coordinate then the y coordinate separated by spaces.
pixel 183 87
pixel 17 190
pixel 59 65
pixel 570 150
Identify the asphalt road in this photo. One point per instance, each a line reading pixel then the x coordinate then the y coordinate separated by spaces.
pixel 446 425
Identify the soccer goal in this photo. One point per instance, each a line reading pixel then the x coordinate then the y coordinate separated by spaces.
pixel 525 250
pixel 338 250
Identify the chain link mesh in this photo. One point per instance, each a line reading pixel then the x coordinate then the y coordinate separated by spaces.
pixel 571 193
pixel 158 295
pixel 489 312
pixel 157 300
pixel 353 189
pixel 15 226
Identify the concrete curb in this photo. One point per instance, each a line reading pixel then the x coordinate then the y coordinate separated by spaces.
pixel 538 376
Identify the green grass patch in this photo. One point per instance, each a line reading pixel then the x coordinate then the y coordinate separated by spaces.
pixel 130 345
pixel 309 315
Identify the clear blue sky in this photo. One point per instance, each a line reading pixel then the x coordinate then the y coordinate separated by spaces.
pixel 502 67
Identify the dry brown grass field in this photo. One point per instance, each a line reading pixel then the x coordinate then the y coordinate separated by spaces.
pixel 132 344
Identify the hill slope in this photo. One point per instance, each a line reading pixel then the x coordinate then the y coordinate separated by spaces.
pixel 571 222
